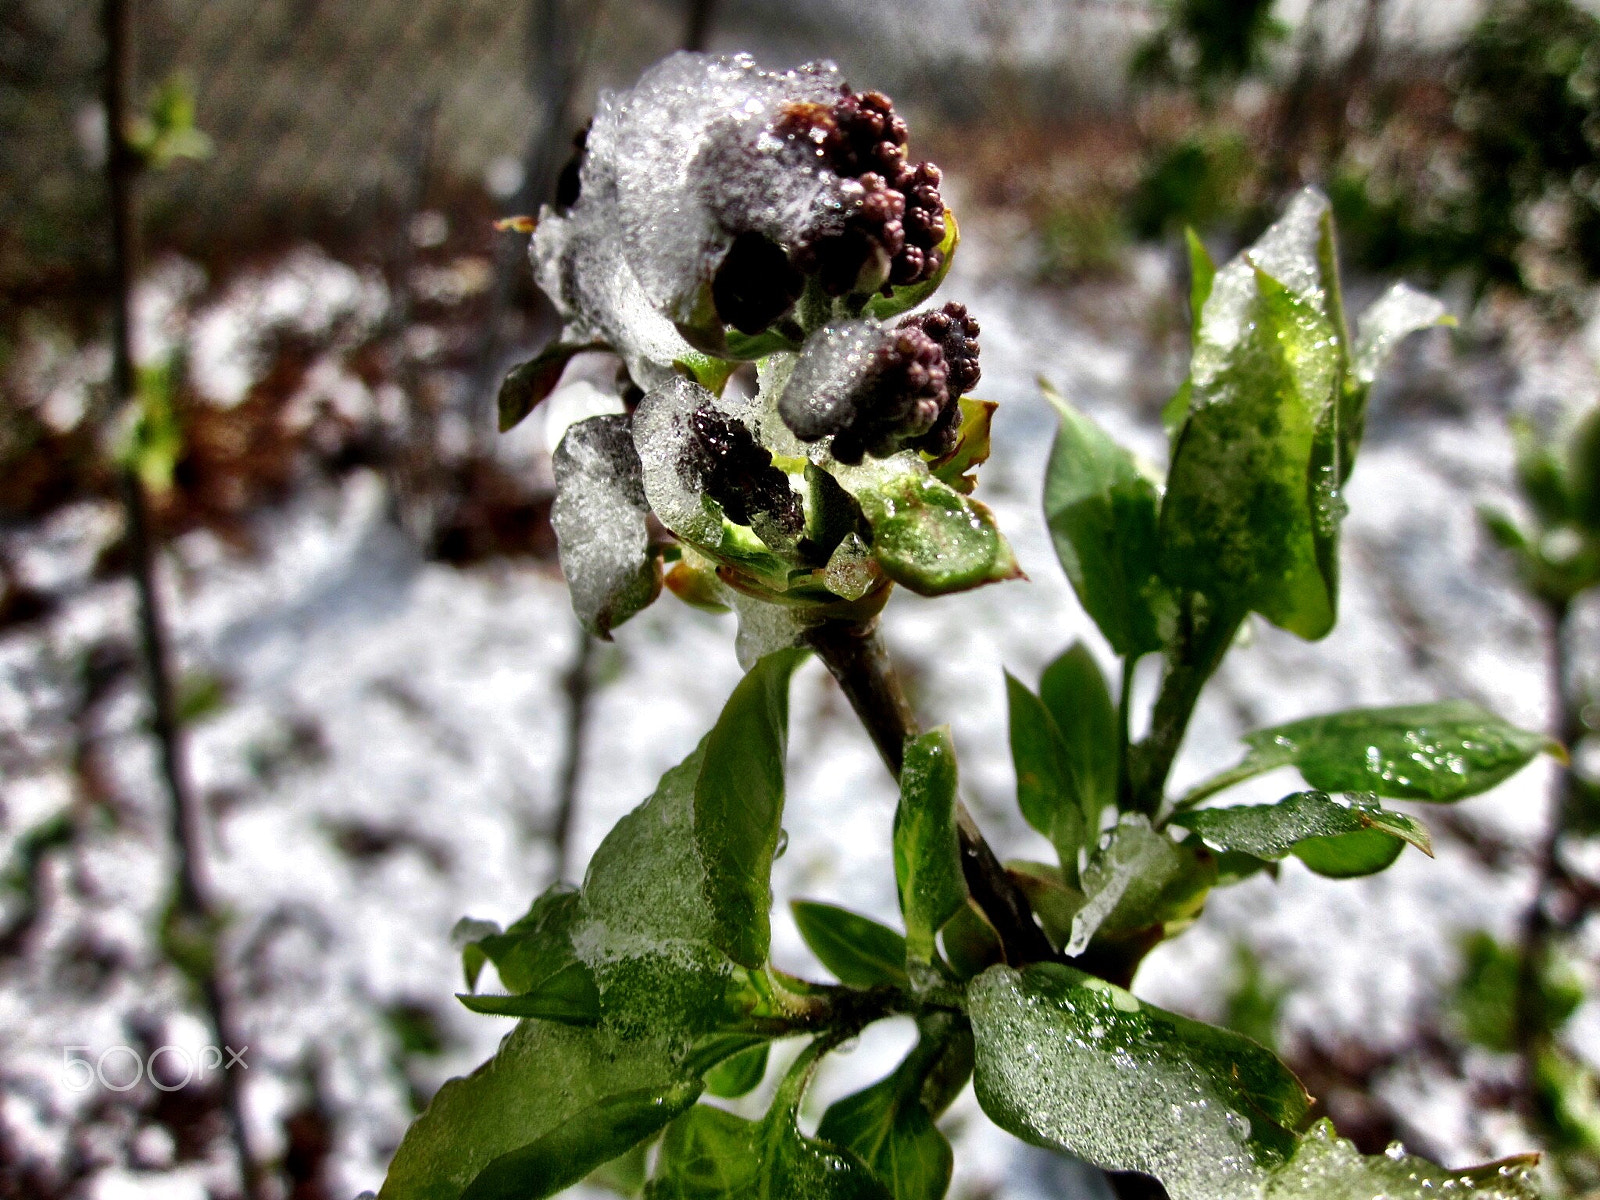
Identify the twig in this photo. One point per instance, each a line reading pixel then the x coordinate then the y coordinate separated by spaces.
pixel 190 902
pixel 1530 1028
pixel 855 655
pixel 697 30
pixel 578 684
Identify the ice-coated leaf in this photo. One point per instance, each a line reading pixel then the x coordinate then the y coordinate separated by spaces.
pixel 927 850
pixel 929 537
pixel 1102 516
pixel 529 383
pixel 655 923
pixel 1136 878
pixel 1339 838
pixel 1252 509
pixel 567 994
pixel 1046 789
pixel 1202 274
pixel 600 517
pixel 764 628
pixel 1439 752
pixel 859 951
pixel 1068 1061
pixel 573 1148
pixel 1075 692
pixel 1053 900
pixel 738 806
pixel 709 1154
pixel 1388 320
pixel 1326 1167
pixel 740 1074
pixel 971 448
pixel 888 1127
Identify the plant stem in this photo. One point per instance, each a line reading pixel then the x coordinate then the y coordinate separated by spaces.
pixel 855 655
pixel 1531 1030
pixel 1222 780
pixel 578 683
pixel 190 904
pixel 1203 638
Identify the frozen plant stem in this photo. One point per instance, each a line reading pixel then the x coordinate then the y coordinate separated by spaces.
pixel 192 913
pixel 855 655
pixel 1550 910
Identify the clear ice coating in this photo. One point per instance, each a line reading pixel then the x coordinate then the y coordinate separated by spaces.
pixel 664 439
pixel 764 627
pixel 1399 311
pixel 827 383
pixel 600 518
pixel 673 170
pixel 1090 1070
pixel 1133 865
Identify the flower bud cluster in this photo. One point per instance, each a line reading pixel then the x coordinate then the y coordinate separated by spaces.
pixel 878 390
pixel 725 461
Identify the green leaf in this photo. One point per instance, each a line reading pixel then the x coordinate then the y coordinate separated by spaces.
pixel 738 806
pixel 1046 790
pixel 569 994
pixel 1437 752
pixel 1054 901
pixel 888 1128
pixel 859 951
pixel 740 1074
pixel 1330 1168
pixel 1252 509
pixel 709 1154
pixel 1136 879
pixel 903 299
pixel 572 1149
pixel 1068 1061
pixel 1202 276
pixel 1075 692
pixel 1102 516
pixel 650 924
pixel 927 851
pixel 970 943
pixel 602 524
pixel 929 537
pixel 530 382
pixel 972 446
pixel 710 373
pixel 1341 839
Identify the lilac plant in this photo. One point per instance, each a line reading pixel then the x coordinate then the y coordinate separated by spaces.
pixel 716 215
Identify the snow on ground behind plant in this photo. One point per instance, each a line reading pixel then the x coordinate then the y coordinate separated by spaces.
pixel 387 758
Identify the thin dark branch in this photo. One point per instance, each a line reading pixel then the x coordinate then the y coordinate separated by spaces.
pixel 855 655
pixel 192 911
pixel 697 29
pixel 578 684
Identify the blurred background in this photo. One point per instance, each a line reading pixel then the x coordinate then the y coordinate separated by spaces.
pixel 288 678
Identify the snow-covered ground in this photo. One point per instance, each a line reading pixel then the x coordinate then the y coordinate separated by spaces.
pixel 387 757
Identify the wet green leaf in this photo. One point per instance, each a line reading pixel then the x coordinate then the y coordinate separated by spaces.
pixel 1047 790
pixel 1252 510
pixel 738 805
pixel 888 1128
pixel 738 1075
pixel 1438 752
pixel 567 1153
pixel 1054 901
pixel 970 942
pixel 930 538
pixel 569 994
pixel 1102 514
pixel 651 924
pixel 1329 1168
pixel 528 383
pixel 709 1154
pixel 1068 1061
pixel 1137 878
pixel 927 852
pixel 859 951
pixel 1338 838
pixel 1075 692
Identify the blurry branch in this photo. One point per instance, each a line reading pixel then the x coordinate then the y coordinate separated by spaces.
pixel 191 923
pixel 697 31
pixel 578 685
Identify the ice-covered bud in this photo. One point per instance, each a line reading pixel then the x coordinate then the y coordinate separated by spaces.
pixel 873 389
pixel 715 191
pixel 956 333
pixel 724 460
